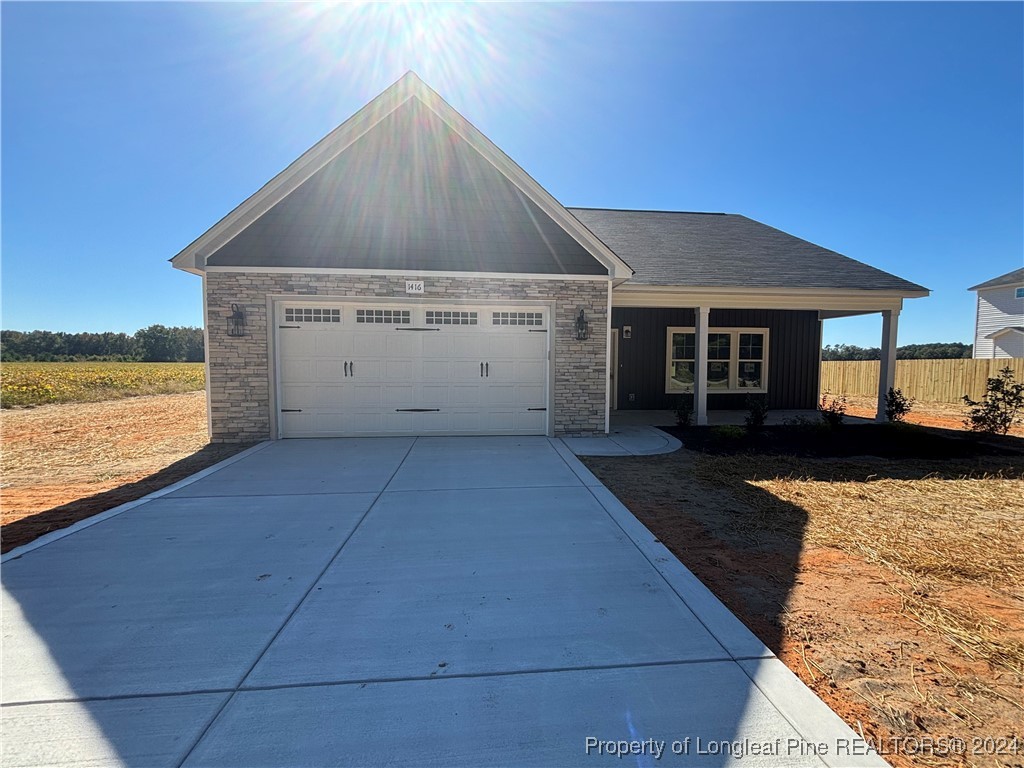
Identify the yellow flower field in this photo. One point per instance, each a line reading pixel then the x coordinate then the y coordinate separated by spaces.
pixel 42 383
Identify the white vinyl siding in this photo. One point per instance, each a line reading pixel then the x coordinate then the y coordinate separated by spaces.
pixel 737 360
pixel 998 308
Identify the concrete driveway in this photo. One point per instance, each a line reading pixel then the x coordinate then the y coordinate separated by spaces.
pixel 427 601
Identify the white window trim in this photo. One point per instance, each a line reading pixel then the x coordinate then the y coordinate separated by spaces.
pixel 734 360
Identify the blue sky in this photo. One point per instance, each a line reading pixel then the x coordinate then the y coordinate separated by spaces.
pixel 893 133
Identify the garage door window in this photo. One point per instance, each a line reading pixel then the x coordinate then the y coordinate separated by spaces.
pixel 517 318
pixel 312 315
pixel 438 317
pixel 387 316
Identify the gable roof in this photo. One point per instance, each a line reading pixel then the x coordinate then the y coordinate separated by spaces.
pixel 1010 278
pixel 1006 330
pixel 407 184
pixel 724 249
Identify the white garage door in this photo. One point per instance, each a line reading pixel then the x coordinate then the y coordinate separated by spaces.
pixel 369 369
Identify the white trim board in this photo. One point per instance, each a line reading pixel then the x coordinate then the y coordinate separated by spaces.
pixel 757 298
pixel 420 273
pixel 193 257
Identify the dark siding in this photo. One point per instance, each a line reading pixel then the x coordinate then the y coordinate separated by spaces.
pixel 794 346
pixel 410 194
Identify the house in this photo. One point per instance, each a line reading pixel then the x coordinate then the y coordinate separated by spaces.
pixel 405 277
pixel 999 318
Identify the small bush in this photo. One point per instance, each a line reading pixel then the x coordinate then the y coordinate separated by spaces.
pixel 833 411
pixel 684 411
pixel 757 412
pixel 897 405
pixel 727 433
pixel 998 410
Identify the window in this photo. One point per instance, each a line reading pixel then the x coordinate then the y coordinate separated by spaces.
pixel 1019 293
pixel 736 358
pixel 390 316
pixel 517 318
pixel 438 317
pixel 311 315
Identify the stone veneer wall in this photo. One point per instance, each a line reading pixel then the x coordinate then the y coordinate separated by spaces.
pixel 240 366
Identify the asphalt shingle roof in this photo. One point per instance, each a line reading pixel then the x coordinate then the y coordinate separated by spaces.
pixel 1016 276
pixel 724 249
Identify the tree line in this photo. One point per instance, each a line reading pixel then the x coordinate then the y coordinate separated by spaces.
pixel 155 344
pixel 938 351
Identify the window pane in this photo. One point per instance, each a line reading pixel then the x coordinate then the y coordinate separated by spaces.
pixel 751 346
pixel 750 375
pixel 718 346
pixel 682 346
pixel 718 375
pixel 681 377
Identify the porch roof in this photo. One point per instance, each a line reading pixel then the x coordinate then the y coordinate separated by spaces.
pixel 724 250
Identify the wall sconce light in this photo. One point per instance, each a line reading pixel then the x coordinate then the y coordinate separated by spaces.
pixel 582 326
pixel 236 321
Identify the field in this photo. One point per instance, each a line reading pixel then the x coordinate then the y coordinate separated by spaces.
pixel 894 589
pixel 27 384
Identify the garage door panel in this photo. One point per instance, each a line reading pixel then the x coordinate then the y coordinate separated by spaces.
pixel 366 395
pixel 332 343
pixel 497 395
pixel 399 344
pixel 328 370
pixel 399 396
pixel 532 345
pixel 391 370
pixel 297 343
pixel 298 395
pixel 531 370
pixel 530 395
pixel 328 397
pixel 433 396
pixel 401 370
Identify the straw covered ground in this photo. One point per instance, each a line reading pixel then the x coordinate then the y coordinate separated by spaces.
pixel 62 463
pixel 894 589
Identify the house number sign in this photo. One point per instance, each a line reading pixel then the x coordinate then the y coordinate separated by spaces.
pixel 414 286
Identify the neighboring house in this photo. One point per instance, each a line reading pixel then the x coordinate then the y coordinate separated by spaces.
pixel 999 318
pixel 405 277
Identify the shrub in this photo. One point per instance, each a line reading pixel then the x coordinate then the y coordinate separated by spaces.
pixel 757 412
pixel 998 409
pixel 897 405
pixel 833 411
pixel 684 410
pixel 727 433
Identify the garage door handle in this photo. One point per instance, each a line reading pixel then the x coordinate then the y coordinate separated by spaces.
pixel 481 370
pixel 417 410
pixel 487 368
pixel 417 329
pixel 346 368
pixel 291 410
pixel 289 326
pixel 352 368
pixel 536 409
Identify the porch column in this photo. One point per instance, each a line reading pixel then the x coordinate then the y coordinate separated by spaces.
pixel 887 364
pixel 700 365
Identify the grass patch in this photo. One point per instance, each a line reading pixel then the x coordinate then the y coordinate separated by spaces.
pixel 932 525
pixel 28 384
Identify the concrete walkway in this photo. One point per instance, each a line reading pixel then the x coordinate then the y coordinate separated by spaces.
pixel 429 601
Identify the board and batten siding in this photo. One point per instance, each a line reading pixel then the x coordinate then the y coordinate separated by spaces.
pixel 794 349
pixel 998 309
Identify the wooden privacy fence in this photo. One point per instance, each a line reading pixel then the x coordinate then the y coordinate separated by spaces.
pixel 937 381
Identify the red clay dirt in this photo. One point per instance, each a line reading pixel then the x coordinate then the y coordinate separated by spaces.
pixel 63 463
